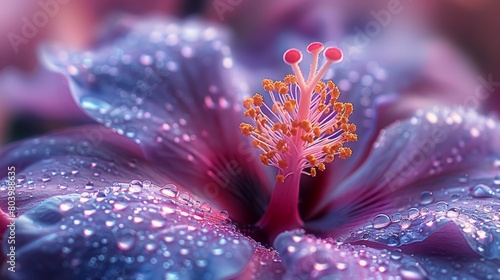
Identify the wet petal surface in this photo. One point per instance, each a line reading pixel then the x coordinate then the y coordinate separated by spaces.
pixel 83 159
pixel 307 257
pixel 171 88
pixel 440 166
pixel 129 231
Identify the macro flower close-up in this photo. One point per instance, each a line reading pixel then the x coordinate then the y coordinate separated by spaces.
pixel 172 146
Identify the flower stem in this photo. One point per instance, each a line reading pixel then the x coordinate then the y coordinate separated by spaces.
pixel 282 213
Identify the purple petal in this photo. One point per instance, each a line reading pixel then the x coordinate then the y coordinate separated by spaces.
pixel 171 88
pixel 437 167
pixel 129 232
pixel 307 257
pixel 84 159
pixel 388 81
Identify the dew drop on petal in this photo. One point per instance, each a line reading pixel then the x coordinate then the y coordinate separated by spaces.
pixel 482 191
pixel 119 206
pixel 381 221
pixel 426 198
pixel 453 212
pixel 441 206
pixel 66 206
pixel 413 213
pixel 224 214
pixel 397 254
pixel 89 185
pixel 126 241
pixel 206 207
pixel 396 217
pixel 135 186
pixel 412 272
pixel 405 223
pixel 169 190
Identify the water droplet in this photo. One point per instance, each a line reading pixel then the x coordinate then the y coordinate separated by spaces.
pixel 405 223
pixel 453 212
pixel 89 185
pixel 184 197
pixel 126 241
pixel 146 184
pixel 412 272
pixel 135 186
pixel 441 206
pixel 66 206
pixel 46 177
pixel 413 213
pixel 21 179
pixel 341 266
pixel 482 191
pixel 63 186
pixel 397 254
pixel 396 217
pixel 88 232
pixel 496 180
pixel 119 205
pixel 169 190
pixel 217 251
pixel 426 198
pixel 381 221
pixel 157 223
pixel 206 207
pixel 224 214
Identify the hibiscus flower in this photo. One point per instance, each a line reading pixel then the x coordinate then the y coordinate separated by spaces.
pixel 169 188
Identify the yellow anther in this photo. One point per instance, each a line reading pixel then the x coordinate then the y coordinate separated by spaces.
pixel 329 158
pixel 348 109
pixel 306 125
pixel 258 100
pixel 345 152
pixel 307 137
pixel 349 137
pixel 290 105
pixel 250 112
pixel 290 79
pixel 256 143
pixel 282 163
pixel 317 131
pixel 267 84
pixel 339 107
pixel 335 93
pixel 330 85
pixel 313 172
pixel 312 160
pixel 321 166
pixel 247 102
pixel 280 178
pixel 264 159
pixel 319 87
pixel 282 146
pixel 246 129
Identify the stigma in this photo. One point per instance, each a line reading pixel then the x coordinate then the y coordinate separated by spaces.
pixel 304 127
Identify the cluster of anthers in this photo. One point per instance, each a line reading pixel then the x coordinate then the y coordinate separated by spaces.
pixel 306 126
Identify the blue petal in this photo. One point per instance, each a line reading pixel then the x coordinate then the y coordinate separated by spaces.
pixel 171 87
pixel 440 166
pixel 128 232
pixel 83 159
pixel 308 257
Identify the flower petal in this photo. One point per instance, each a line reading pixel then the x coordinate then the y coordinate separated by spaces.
pixel 83 159
pixel 437 167
pixel 170 87
pixel 307 257
pixel 131 232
